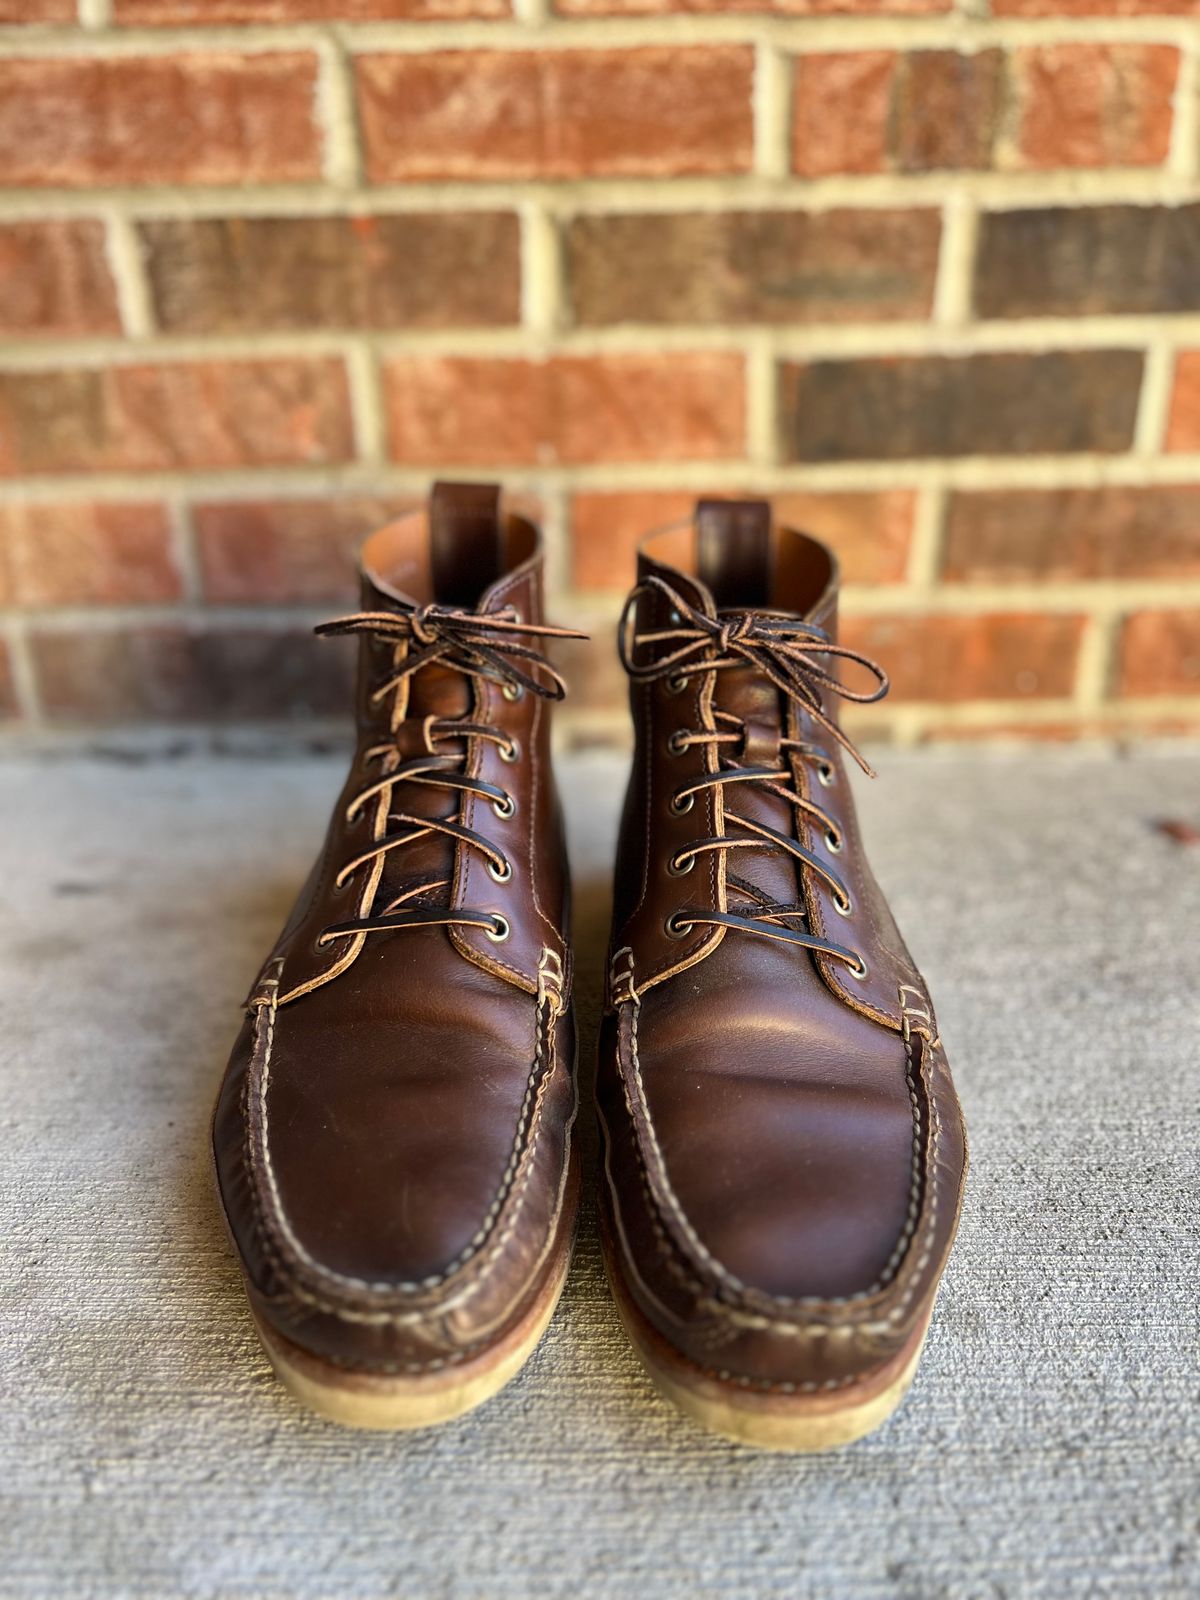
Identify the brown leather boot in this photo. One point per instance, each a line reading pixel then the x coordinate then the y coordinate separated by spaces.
pixel 784 1149
pixel 393 1136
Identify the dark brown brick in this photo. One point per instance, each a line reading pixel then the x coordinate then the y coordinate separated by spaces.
pixel 1007 656
pixel 422 271
pixel 54 279
pixel 1088 261
pixel 286 550
pixel 991 404
pixel 753 266
pixel 85 553
pixel 1033 535
pixel 159 673
pixel 148 418
pixel 945 110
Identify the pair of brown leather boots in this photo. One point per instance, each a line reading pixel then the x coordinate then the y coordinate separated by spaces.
pixel 784 1153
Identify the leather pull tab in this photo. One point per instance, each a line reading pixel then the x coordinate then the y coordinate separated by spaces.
pixel 733 550
pixel 464 527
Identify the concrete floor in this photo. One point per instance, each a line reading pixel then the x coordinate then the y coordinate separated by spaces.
pixel 1050 1447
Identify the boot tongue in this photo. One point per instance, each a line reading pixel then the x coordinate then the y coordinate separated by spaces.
pixel 454 566
pixel 734 563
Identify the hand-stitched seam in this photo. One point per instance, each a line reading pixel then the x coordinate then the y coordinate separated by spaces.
pixel 731 1280
pixel 523 1149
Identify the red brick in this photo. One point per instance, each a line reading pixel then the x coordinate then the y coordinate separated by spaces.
pixel 85 553
pixel 1160 653
pixel 8 689
pixel 485 411
pixel 134 675
pixel 1014 656
pixel 1183 425
pixel 286 550
pixel 240 274
pixel 753 266
pixel 54 279
pixel 1056 535
pixel 1094 105
pixel 841 105
pixel 869 531
pixel 652 112
pixel 214 117
pixel 150 418
pixel 195 13
pixel 778 8
pixel 43 11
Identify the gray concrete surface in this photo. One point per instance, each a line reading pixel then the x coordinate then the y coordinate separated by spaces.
pixel 1048 1449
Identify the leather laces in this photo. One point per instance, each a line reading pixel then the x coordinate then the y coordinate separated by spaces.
pixel 480 645
pixel 787 651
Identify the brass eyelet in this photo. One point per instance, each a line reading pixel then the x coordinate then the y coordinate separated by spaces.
pixel 676 929
pixel 500 929
pixel 682 804
pixel 833 842
pixel 677 683
pixel 859 973
pixel 510 752
pixel 513 692
pixel 843 904
pixel 505 808
pixel 500 874
pixel 676 744
pixel 681 863
pixel 826 774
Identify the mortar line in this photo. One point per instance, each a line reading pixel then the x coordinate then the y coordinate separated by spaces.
pixel 535 25
pixel 954 289
pixel 1183 158
pixel 604 193
pixel 925 550
pixel 772 108
pixel 542 280
pixel 1095 661
pixel 130 280
pixel 969 473
pixel 335 111
pixel 26 690
pixel 185 549
pixel 368 406
pixel 1030 336
pixel 1154 398
pixel 762 402
pixel 95 14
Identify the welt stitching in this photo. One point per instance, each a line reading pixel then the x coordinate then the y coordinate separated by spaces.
pixel 531 1104
pixel 808 1302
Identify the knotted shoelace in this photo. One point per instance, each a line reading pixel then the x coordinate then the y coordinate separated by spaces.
pixel 476 644
pixel 786 651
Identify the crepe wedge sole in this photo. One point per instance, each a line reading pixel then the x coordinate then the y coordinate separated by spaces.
pixel 384 1402
pixel 797 1423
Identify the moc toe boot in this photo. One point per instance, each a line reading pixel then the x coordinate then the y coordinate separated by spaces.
pixel 784 1150
pixel 393 1137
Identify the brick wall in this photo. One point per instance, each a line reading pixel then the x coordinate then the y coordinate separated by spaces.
pixel 927 270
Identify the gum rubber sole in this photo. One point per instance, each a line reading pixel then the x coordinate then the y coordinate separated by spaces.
pixel 382 1401
pixel 798 1423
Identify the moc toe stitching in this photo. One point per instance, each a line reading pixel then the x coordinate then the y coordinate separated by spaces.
pixel 308 1285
